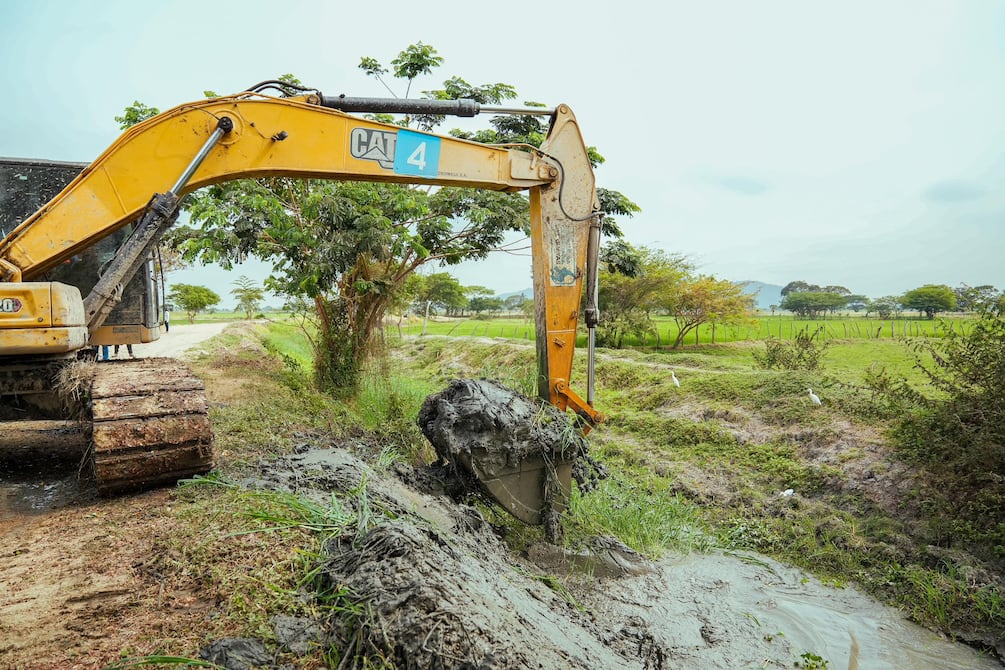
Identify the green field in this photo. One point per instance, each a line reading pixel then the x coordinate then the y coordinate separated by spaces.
pixel 785 327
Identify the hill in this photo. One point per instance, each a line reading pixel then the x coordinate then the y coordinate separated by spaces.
pixel 766 294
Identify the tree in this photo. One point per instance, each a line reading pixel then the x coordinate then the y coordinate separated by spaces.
pixel 349 247
pixel 930 299
pixel 192 299
pixel 810 304
pixel 479 304
pixel 628 300
pixel 798 286
pixel 975 298
pixel 440 289
pixel 884 306
pixel 515 303
pixel 857 302
pixel 249 295
pixel 705 299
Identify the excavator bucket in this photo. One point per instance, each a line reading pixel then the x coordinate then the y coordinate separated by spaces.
pixel 518 450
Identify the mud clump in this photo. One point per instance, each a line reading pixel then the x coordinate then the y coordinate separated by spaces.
pixel 237 653
pixel 523 452
pixel 480 414
pixel 426 599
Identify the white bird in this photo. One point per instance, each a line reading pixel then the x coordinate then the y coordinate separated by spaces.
pixel 676 382
pixel 814 397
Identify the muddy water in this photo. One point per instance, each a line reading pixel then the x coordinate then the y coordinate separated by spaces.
pixel 41 486
pixel 705 608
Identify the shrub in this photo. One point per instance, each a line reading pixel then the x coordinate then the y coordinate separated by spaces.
pixel 802 353
pixel 958 435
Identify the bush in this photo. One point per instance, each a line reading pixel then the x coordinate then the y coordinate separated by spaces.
pixel 958 436
pixel 803 353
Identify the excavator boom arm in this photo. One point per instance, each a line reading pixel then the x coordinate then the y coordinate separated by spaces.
pixel 293 137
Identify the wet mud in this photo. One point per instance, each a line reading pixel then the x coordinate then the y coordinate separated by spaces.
pixel 519 451
pixel 41 484
pixel 438 588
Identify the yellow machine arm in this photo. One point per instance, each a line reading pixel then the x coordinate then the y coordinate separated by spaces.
pixel 252 135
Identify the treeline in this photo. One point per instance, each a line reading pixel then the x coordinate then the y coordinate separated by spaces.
pixel 813 301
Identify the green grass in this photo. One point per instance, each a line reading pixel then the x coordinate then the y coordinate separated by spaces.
pixel 648 517
pixel 838 327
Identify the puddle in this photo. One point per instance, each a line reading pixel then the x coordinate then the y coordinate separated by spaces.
pixel 699 606
pixel 42 486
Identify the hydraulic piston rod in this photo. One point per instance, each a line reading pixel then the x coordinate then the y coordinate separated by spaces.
pixel 461 107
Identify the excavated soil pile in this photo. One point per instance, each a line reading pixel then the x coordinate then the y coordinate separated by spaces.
pixel 428 584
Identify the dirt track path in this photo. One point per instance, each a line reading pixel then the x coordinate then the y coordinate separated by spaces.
pixel 178 340
pixel 67 574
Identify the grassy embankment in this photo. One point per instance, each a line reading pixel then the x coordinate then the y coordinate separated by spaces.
pixel 692 469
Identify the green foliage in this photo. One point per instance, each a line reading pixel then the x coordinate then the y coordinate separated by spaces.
pixel 811 661
pixel 809 304
pixel 441 290
pixel 884 307
pixel 136 113
pixel 802 353
pixel 930 299
pixel 249 295
pixel 976 298
pixel 192 299
pixel 958 433
pixel 650 519
pixel 704 299
pixel 641 278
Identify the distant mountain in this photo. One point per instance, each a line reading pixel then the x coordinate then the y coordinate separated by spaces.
pixel 766 294
pixel 527 293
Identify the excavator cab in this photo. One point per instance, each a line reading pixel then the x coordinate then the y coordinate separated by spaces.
pixel 27 185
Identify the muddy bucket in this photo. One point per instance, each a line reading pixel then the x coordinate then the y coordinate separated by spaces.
pixel 520 450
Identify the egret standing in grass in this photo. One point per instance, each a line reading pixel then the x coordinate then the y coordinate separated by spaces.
pixel 676 382
pixel 813 397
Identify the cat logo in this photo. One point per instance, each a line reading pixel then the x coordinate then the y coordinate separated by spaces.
pixel 10 305
pixel 373 145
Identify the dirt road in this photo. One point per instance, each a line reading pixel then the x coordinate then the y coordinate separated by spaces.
pixel 178 340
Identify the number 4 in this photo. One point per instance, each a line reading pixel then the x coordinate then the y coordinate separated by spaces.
pixel 418 157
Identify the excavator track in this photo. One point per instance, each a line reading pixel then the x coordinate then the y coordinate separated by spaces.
pixel 150 424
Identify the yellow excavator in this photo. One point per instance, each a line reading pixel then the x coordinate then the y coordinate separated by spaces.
pixel 78 271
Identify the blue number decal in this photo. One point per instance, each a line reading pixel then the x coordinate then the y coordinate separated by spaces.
pixel 417 154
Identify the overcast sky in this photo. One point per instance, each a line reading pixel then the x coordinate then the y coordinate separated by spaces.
pixel 854 142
